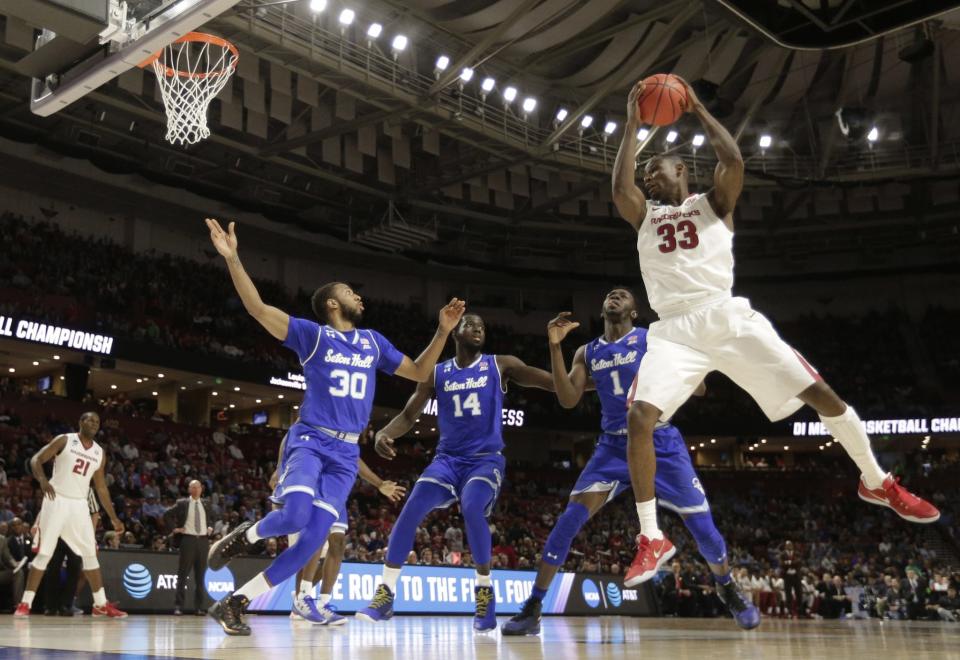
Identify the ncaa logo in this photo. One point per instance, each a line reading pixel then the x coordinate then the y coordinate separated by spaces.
pixel 591 595
pixel 137 581
pixel 613 594
pixel 218 583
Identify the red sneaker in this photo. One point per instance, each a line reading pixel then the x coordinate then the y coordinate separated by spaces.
pixel 651 555
pixel 907 505
pixel 22 610
pixel 110 611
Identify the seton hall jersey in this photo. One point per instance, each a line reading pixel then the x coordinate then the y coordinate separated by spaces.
pixel 73 468
pixel 469 407
pixel 340 370
pixel 686 255
pixel 613 366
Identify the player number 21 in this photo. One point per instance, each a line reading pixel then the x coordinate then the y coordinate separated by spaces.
pixel 81 467
pixel 668 234
pixel 471 403
pixel 353 385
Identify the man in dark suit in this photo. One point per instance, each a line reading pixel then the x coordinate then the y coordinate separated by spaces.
pixel 21 545
pixel 11 576
pixel 192 520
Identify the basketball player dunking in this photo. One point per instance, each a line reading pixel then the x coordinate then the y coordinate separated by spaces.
pixel 77 459
pixel 685 247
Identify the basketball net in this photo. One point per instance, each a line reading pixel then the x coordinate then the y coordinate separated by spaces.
pixel 191 71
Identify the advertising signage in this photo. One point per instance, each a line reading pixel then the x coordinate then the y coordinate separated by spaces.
pixel 914 426
pixel 55 335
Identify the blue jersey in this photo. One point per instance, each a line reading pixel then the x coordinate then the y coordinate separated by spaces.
pixel 613 366
pixel 469 407
pixel 340 372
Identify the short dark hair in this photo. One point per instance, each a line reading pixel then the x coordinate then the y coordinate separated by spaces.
pixel 670 158
pixel 318 301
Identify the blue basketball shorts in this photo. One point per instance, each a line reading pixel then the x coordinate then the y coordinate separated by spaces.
pixel 455 472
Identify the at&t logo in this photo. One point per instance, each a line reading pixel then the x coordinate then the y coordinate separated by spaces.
pixel 137 581
pixel 613 594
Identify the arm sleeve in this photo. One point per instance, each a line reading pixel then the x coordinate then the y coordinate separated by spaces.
pixel 303 338
pixel 390 357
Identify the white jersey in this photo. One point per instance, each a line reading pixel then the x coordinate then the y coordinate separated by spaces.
pixel 73 468
pixel 686 255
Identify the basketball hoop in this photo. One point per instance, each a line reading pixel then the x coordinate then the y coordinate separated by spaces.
pixel 191 71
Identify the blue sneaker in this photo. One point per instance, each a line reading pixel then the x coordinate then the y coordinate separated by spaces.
pixel 315 612
pixel 485 618
pixel 744 612
pixel 330 615
pixel 527 622
pixel 380 608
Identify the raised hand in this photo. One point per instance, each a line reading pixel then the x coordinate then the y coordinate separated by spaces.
pixel 392 491
pixel 383 445
pixel 692 100
pixel 560 327
pixel 451 314
pixel 224 241
pixel 635 93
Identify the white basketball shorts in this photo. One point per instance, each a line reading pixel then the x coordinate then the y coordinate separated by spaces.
pixel 726 336
pixel 68 519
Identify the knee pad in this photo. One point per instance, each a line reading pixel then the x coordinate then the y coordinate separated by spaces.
pixel 40 562
pixel 569 524
pixel 90 563
pixel 709 540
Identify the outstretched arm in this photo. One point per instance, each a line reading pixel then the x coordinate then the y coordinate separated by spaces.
pixel 728 176
pixel 421 369
pixel 568 386
pixel 627 195
pixel 47 452
pixel 274 320
pixel 403 422
pixel 389 489
pixel 517 371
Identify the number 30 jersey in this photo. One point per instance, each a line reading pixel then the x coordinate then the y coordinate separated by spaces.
pixel 613 367
pixel 469 407
pixel 340 370
pixel 73 468
pixel 686 255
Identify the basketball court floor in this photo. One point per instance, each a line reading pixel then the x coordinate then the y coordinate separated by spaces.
pixel 452 638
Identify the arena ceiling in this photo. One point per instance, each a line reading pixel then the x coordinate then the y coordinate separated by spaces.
pixel 335 131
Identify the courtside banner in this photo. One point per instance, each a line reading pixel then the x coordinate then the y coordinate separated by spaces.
pixel 147 581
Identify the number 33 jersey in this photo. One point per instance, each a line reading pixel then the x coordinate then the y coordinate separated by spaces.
pixel 340 370
pixel 686 255
pixel 73 468
pixel 469 407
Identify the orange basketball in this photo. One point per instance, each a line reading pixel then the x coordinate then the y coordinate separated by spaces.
pixel 662 101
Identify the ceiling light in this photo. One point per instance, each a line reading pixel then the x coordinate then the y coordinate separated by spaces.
pixel 509 94
pixel 672 137
pixel 562 114
pixel 416 432
pixel 36 364
pixel 763 441
pixel 347 16
pixel 296 407
pixel 828 444
pixel 765 141
pixel 232 406
pixel 214 393
pixel 12 370
pixel 183 387
pixel 374 30
pixel 236 389
pixel 713 441
pixel 698 140
pixel 279 396
pixel 258 400
pixel 529 104
pixel 786 448
pixel 159 375
pixel 139 380
pixel 586 122
pixel 62 378
pixel 467 74
pixel 399 43
pixel 488 84
pixel 318 6
pixel 113 387
pixel 442 63
pixel 610 128
pixel 56 357
pixel 642 134
pixel 874 134
pixel 153 394
pixel 693 448
pixel 703 444
pixel 821 447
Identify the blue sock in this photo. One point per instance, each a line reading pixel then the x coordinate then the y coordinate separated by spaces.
pixel 474 504
pixel 569 524
pixel 722 579
pixel 425 498
pixel 538 593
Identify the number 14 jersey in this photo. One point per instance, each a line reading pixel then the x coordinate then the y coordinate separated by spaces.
pixel 686 255
pixel 469 407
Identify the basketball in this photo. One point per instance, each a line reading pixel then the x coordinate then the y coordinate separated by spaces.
pixel 662 101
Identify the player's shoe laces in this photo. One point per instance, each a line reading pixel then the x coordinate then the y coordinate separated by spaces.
pixel 229 546
pixel 23 610
pixel 380 608
pixel 527 622
pixel 485 618
pixel 109 610
pixel 651 555
pixel 907 505
pixel 744 612
pixel 228 612
pixel 314 611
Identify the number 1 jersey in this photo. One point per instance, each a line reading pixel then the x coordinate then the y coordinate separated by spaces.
pixel 613 367
pixel 340 372
pixel 686 255
pixel 469 407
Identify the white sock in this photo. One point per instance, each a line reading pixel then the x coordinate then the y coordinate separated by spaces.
pixel 390 577
pixel 849 432
pixel 647 512
pixel 306 588
pixel 252 536
pixel 28 598
pixel 254 587
pixel 99 597
pixel 325 598
pixel 484 580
